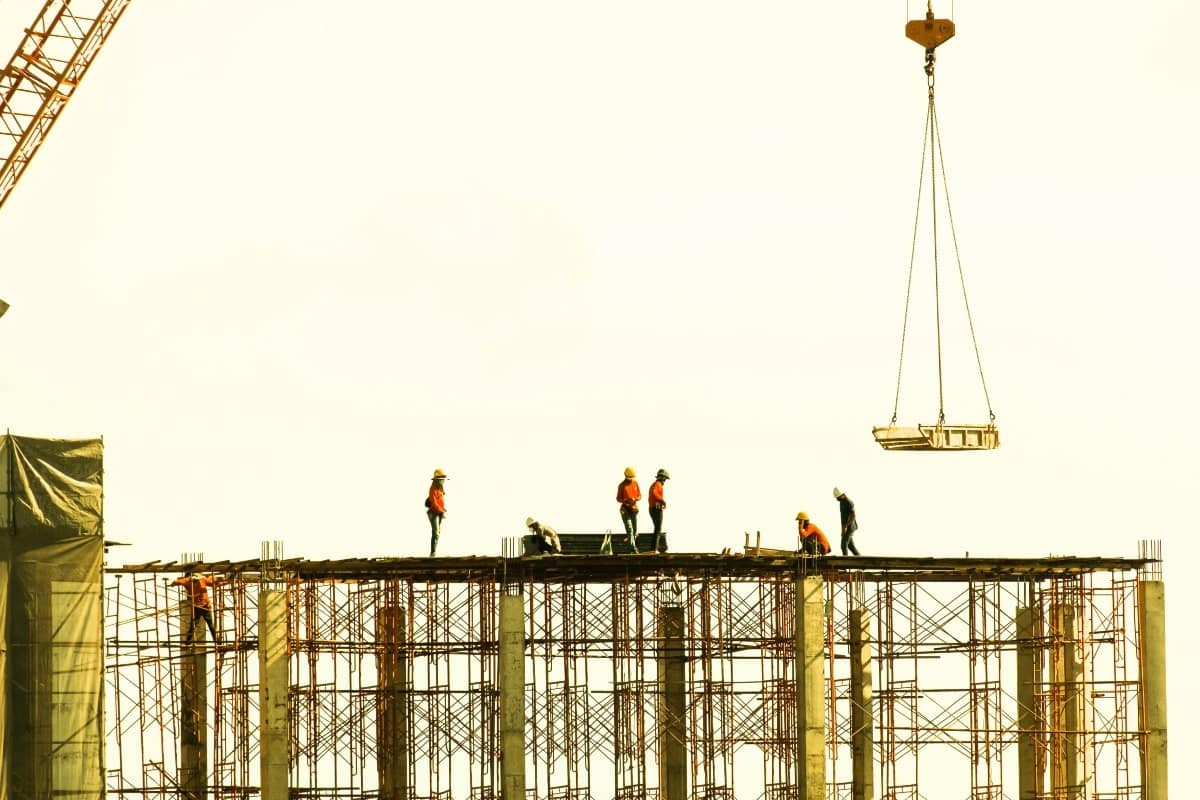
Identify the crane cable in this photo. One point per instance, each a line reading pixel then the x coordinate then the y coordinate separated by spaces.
pixel 931 146
pixel 911 260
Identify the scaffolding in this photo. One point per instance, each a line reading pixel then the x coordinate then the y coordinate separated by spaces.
pixel 669 677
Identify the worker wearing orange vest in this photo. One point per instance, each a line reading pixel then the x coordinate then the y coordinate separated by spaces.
pixel 657 504
pixel 812 538
pixel 197 589
pixel 435 508
pixel 628 494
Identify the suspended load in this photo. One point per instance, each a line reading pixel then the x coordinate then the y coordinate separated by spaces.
pixel 939 435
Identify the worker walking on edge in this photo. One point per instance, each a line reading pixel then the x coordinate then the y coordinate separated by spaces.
pixel 628 494
pixel 197 589
pixel 849 521
pixel 547 537
pixel 657 504
pixel 435 508
pixel 812 538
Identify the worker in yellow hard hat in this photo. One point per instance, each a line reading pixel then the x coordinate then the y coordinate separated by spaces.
pixel 812 538
pixel 628 494
pixel 435 508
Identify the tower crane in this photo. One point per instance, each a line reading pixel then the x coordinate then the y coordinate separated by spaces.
pixel 44 73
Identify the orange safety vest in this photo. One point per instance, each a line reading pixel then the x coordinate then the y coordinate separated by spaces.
pixel 437 500
pixel 197 587
pixel 656 495
pixel 628 493
pixel 813 530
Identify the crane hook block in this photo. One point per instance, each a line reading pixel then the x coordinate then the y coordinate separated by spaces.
pixel 929 32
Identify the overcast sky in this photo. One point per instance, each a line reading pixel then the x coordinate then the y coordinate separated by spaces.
pixel 289 257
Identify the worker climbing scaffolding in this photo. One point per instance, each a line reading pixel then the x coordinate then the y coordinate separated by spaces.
pixel 931 32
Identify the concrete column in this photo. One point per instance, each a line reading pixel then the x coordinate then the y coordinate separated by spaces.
pixel 5 760
pixel 672 706
pixel 395 686
pixel 193 706
pixel 273 693
pixel 1068 720
pixel 512 696
pixel 1029 770
pixel 1152 608
pixel 810 687
pixel 862 709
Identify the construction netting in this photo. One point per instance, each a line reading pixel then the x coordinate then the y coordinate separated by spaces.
pixel 51 624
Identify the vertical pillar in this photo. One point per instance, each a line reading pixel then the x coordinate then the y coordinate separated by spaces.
pixel 1029 771
pixel 512 696
pixel 810 687
pixel 273 693
pixel 862 713
pixel 1070 773
pixel 1073 712
pixel 5 760
pixel 395 686
pixel 672 706
pixel 1153 639
pixel 193 706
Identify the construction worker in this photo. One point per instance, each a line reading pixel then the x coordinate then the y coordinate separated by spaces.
pixel 657 504
pixel 849 521
pixel 628 494
pixel 812 538
pixel 547 537
pixel 197 589
pixel 435 508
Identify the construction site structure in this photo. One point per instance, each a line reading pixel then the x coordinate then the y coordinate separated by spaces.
pixel 668 676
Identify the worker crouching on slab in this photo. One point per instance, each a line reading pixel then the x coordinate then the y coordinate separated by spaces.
pixel 435 508
pixel 657 504
pixel 628 494
pixel 547 537
pixel 812 538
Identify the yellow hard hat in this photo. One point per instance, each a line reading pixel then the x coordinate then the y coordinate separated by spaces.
pixel 629 472
pixel 801 516
pixel 437 473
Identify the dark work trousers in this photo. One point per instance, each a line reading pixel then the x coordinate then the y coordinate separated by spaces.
pixel 660 543
pixel 812 547
pixel 629 518
pixel 198 613
pixel 848 544
pixel 435 528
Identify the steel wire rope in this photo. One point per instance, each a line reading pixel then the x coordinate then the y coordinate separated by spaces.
pixel 934 141
pixel 912 255
pixel 961 277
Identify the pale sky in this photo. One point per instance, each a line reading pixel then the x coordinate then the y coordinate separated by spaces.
pixel 288 257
